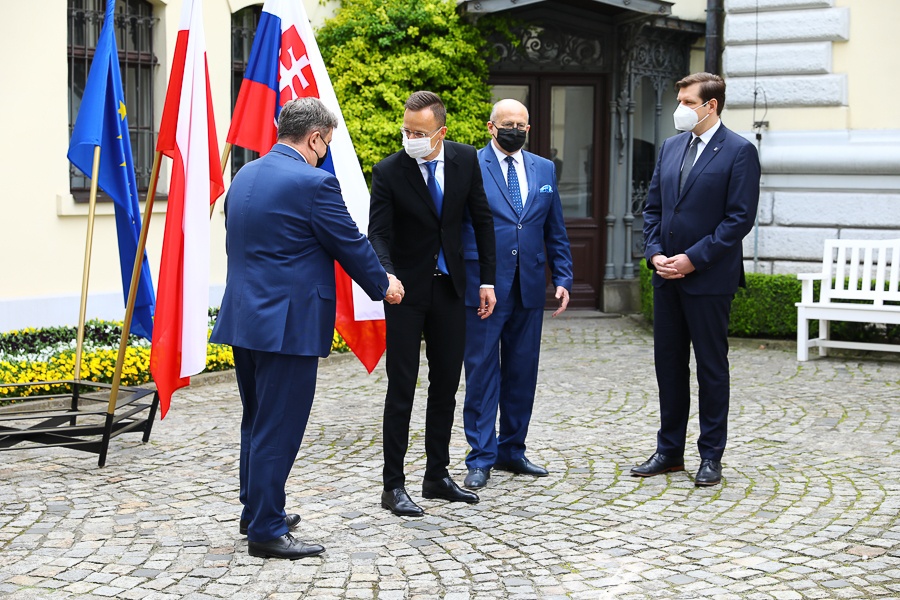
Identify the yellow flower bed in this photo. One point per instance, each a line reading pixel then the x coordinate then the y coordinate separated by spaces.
pixel 100 365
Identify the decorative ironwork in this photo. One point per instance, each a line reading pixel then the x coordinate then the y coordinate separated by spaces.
pixel 651 52
pixel 639 191
pixel 549 48
pixel 659 56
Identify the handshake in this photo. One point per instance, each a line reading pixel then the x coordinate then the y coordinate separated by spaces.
pixel 395 290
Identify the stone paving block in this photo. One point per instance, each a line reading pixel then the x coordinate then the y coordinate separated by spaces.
pixel 808 507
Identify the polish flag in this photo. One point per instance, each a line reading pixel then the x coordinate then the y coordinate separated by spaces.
pixel 284 64
pixel 187 134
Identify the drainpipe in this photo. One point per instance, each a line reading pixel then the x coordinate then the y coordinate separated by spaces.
pixel 713 58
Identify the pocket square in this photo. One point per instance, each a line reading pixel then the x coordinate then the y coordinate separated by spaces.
pixel 547 188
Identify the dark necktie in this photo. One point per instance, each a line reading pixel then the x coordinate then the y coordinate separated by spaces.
pixel 688 164
pixel 437 195
pixel 512 180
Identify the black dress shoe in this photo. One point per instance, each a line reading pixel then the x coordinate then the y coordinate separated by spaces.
pixel 290 520
pixel 446 489
pixel 398 502
pixel 709 473
pixel 657 464
pixel 522 466
pixel 477 478
pixel 285 546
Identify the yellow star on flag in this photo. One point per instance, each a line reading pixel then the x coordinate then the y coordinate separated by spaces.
pixel 121 110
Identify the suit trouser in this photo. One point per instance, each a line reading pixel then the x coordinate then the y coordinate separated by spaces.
pixel 502 355
pixel 277 394
pixel 442 321
pixel 679 320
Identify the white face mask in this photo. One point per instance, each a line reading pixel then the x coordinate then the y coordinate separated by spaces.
pixel 418 147
pixel 685 117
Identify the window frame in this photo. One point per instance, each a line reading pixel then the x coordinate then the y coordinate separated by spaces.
pixel 135 22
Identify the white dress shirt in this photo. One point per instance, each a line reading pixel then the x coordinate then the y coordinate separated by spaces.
pixel 704 139
pixel 439 170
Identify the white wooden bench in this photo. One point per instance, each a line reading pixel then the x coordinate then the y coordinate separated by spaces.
pixel 865 272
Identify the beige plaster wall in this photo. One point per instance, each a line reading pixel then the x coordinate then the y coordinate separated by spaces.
pixel 43 230
pixel 870 59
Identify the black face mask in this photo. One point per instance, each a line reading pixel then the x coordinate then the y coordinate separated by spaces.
pixel 511 139
pixel 320 160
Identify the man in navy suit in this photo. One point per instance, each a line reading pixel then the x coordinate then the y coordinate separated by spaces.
pixel 502 352
pixel 701 203
pixel 286 225
pixel 419 198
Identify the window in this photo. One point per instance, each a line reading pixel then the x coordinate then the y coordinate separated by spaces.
pixel 134 37
pixel 243 28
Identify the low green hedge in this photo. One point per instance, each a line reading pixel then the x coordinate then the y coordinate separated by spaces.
pixel 765 309
pixel 48 354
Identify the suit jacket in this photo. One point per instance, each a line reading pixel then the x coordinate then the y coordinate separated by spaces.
pixel 406 231
pixel 530 240
pixel 712 214
pixel 286 224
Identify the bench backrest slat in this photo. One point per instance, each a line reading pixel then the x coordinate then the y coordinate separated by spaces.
pixel 862 270
pixel 894 284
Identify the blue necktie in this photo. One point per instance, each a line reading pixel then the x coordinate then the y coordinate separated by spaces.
pixel 512 180
pixel 437 195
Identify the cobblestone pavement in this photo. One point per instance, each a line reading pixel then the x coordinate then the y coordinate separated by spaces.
pixel 808 507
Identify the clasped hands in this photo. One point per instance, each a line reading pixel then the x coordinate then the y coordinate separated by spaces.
pixel 395 290
pixel 675 267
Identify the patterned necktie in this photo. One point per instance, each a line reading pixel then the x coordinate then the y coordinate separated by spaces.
pixel 512 180
pixel 688 162
pixel 437 195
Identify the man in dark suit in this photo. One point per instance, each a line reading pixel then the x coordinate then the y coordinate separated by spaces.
pixel 286 225
pixel 701 203
pixel 502 352
pixel 419 198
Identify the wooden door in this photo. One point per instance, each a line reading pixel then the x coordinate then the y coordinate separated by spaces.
pixel 568 127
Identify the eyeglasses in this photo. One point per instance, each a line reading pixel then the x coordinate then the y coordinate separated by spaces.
pixel 418 135
pixel 519 126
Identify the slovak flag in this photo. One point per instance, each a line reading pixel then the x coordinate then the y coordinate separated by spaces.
pixel 187 134
pixel 285 63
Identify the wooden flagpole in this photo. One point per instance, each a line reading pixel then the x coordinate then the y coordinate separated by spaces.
pixel 135 280
pixel 86 273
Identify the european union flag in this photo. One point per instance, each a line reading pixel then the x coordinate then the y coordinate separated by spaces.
pixel 102 122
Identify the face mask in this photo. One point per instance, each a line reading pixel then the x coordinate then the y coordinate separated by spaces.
pixel 320 160
pixel 510 139
pixel 685 117
pixel 418 147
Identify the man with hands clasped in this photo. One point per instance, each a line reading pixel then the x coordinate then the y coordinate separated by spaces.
pixel 701 204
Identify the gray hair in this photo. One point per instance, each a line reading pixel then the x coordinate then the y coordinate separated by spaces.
pixel 303 116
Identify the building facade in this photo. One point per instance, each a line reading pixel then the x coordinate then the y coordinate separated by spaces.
pixel 809 81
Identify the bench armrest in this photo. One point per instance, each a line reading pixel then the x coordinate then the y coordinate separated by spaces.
pixel 806 289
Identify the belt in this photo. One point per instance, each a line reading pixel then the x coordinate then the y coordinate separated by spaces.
pixel 439 274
